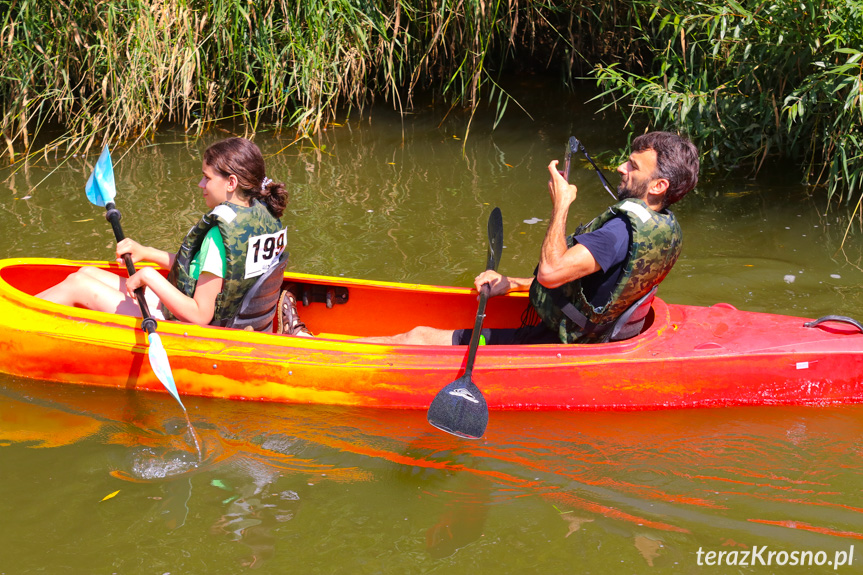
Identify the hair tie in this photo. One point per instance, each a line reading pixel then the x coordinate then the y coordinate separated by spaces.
pixel 267 181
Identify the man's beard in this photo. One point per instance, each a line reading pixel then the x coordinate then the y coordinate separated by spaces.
pixel 627 191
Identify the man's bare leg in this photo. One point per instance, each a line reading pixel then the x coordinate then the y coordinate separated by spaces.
pixel 417 336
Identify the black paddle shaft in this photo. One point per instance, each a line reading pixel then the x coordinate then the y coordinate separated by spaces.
pixel 495 247
pixel 576 145
pixel 477 331
pixel 112 214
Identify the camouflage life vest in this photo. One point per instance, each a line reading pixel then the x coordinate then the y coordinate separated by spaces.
pixel 253 240
pixel 655 246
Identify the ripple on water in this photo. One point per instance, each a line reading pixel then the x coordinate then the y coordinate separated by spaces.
pixel 147 464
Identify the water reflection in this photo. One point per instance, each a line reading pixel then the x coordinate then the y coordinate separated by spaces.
pixel 653 487
pixel 403 201
pixel 351 490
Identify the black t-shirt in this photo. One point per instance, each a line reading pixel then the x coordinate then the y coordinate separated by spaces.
pixel 609 246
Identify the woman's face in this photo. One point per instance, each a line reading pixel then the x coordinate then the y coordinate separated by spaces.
pixel 217 188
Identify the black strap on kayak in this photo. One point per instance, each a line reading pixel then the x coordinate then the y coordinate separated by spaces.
pixel 627 325
pixel 839 318
pixel 575 316
pixel 258 306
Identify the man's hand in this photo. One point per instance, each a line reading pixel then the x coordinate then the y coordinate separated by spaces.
pixel 562 192
pixel 500 284
pixel 558 263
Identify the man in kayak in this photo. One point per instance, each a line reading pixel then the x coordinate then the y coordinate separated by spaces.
pixel 584 282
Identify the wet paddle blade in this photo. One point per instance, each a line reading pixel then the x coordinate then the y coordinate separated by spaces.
pixel 161 367
pixel 460 409
pixel 100 186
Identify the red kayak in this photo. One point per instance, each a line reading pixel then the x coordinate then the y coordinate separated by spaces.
pixel 686 356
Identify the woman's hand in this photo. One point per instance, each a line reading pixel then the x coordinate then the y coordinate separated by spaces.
pixel 131 247
pixel 138 280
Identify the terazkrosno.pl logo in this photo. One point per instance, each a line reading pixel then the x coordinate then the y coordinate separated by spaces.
pixel 761 555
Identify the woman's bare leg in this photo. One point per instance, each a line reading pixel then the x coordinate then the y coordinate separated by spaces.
pixel 93 288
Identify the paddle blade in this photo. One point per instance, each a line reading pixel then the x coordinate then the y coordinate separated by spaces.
pixel 495 239
pixel 161 367
pixel 100 186
pixel 460 409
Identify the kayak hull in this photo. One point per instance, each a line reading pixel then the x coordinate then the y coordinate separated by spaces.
pixel 688 356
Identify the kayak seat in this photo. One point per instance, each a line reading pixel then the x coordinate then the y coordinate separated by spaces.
pixel 258 308
pixel 631 322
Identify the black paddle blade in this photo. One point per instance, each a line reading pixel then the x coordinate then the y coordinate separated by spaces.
pixel 460 409
pixel 495 239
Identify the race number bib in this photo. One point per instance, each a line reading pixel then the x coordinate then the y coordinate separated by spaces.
pixel 264 252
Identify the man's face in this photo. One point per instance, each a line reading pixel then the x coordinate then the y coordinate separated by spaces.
pixel 636 175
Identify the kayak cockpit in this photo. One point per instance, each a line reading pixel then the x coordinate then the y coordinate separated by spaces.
pixel 340 308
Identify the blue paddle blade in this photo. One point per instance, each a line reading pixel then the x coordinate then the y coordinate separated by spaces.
pixel 161 367
pixel 100 186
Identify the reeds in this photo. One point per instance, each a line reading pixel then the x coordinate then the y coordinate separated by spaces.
pixel 114 70
pixel 754 80
pixel 746 80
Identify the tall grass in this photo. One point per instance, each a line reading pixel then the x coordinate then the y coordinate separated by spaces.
pixel 747 80
pixel 754 80
pixel 109 70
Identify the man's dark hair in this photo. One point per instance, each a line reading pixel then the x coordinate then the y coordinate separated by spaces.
pixel 676 161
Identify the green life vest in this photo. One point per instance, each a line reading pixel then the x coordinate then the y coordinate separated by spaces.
pixel 253 241
pixel 655 246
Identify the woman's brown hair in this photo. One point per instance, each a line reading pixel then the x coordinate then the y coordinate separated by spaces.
pixel 241 158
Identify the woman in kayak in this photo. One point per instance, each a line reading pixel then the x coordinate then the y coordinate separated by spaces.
pixel 220 258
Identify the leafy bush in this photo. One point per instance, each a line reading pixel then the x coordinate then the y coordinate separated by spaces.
pixel 746 80
pixel 754 79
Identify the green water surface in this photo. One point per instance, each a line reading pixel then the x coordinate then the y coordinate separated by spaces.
pixel 316 489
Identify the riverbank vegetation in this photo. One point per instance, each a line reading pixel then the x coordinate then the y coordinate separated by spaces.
pixel 747 81
pixel 752 80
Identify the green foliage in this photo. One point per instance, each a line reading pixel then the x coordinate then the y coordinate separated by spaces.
pixel 747 80
pixel 113 70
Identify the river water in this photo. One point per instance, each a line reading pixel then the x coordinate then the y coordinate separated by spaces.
pixel 106 481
